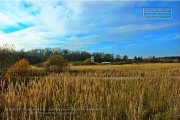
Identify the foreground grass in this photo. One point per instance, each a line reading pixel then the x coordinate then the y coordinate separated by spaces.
pixel 89 97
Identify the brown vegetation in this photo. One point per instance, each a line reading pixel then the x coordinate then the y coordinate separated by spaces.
pixel 154 94
pixel 87 61
pixel 56 63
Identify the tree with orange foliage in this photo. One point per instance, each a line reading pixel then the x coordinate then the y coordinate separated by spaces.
pixel 57 63
pixel 87 61
pixel 20 69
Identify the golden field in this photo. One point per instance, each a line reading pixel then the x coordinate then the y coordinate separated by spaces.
pixel 99 92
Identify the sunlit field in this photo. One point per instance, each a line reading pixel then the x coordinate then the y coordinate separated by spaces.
pixel 96 92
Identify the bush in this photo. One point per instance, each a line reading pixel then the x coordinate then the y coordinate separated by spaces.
pixel 57 63
pixel 87 62
pixel 21 69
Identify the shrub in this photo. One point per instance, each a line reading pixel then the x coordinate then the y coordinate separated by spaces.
pixel 57 63
pixel 20 69
pixel 87 61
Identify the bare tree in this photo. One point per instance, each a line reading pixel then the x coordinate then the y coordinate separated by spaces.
pixel 125 58
pixel 7 58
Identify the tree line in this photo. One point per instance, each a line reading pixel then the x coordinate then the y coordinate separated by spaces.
pixel 35 56
pixel 9 55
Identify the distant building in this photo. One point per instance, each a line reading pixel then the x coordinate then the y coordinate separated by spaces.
pixel 106 62
pixel 92 59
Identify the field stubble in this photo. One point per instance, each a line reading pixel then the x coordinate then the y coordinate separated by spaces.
pixel 154 93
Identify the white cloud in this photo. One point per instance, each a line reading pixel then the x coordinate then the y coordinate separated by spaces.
pixel 6 20
pixel 52 21
pixel 177 36
pixel 168 37
pixel 143 27
pixel 1 32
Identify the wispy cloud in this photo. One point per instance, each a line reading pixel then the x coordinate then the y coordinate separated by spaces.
pixel 168 37
pixel 79 25
pixel 143 27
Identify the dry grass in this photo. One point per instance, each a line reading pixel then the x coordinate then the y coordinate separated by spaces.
pixel 130 66
pixel 154 94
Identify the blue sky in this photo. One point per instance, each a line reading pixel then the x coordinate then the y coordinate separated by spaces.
pixel 95 26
